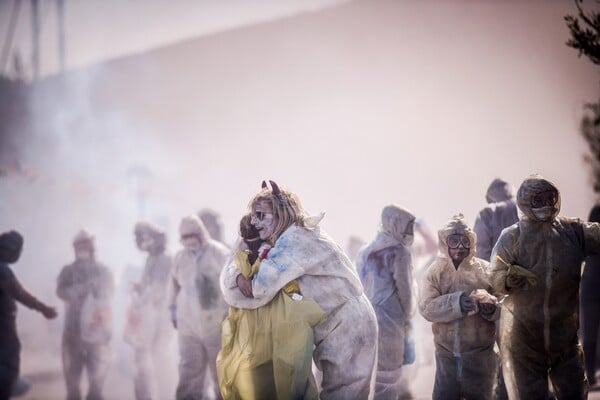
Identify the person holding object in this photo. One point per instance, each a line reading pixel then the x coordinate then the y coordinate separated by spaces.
pixel 455 296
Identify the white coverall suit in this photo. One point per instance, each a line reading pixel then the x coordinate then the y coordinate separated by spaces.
pixel 464 344
pixel 200 309
pixel 385 269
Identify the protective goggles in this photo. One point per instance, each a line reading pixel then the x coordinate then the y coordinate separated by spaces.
pixel 456 239
pixel 544 199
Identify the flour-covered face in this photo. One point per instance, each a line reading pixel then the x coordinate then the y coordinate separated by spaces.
pixel 263 219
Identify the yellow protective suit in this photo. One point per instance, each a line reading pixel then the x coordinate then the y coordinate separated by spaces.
pixel 266 352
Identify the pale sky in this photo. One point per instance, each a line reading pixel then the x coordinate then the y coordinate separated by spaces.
pixel 98 30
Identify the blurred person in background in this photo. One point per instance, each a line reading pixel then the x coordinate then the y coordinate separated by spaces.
pixel 197 308
pixel 11 291
pixel 385 269
pixel 148 329
pixel 500 213
pixel 454 296
pixel 86 287
pixel 353 246
pixel 212 221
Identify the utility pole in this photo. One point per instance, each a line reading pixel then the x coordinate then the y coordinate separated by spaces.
pixel 35 26
pixel 62 56
pixel 12 25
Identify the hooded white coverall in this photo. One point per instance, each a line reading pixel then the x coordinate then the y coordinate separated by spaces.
pixel 200 309
pixel 150 359
pixel 464 344
pixel 346 341
pixel 539 331
pixel 385 269
pixel 75 283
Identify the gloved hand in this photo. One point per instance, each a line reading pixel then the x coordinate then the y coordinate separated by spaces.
pixel 516 282
pixel 48 312
pixel 466 304
pixel 245 285
pixel 487 308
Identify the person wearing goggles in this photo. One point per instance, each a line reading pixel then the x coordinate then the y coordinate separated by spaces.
pixel 454 296
pixel 537 262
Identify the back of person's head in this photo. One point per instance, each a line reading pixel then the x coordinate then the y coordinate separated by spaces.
pixel 595 214
pixel 499 190
pixel 11 244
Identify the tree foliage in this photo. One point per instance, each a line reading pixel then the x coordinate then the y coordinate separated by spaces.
pixel 585 38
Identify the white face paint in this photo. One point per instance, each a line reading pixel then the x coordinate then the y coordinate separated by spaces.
pixel 263 219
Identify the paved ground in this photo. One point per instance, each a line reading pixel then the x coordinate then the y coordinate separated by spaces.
pixel 43 371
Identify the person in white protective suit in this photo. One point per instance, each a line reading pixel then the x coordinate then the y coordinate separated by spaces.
pixel 149 302
pixel 454 296
pixel 346 341
pixel 537 263
pixel 197 308
pixel 501 212
pixel 385 269
pixel 87 331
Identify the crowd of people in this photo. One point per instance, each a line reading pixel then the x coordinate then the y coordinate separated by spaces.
pixel 288 314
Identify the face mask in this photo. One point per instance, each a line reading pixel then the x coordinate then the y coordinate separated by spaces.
pixel 83 255
pixel 192 244
pixel 543 213
pixel 147 244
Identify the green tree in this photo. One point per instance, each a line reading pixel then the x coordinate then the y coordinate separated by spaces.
pixel 585 38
